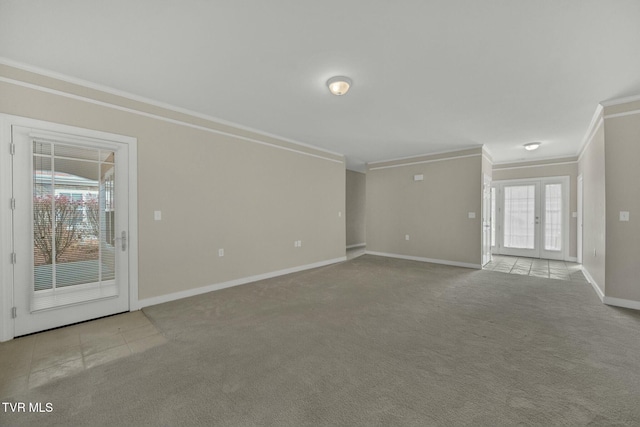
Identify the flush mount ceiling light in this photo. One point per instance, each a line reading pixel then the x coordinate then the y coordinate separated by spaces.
pixel 339 85
pixel 531 146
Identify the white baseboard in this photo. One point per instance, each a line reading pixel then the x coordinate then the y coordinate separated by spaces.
pixel 571 259
pixel 619 302
pixel 431 260
pixel 215 287
pixel 595 286
pixel 357 245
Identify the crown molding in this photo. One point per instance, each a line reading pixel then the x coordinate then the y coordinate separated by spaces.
pixel 133 97
pixel 572 162
pixel 536 162
pixel 596 121
pixel 420 162
pixel 619 101
pixel 436 153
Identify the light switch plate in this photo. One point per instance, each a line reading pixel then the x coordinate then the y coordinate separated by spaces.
pixel 624 216
pixel 157 215
pixel 419 177
pixel 472 215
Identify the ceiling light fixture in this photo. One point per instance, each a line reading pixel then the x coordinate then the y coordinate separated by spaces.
pixel 531 146
pixel 339 85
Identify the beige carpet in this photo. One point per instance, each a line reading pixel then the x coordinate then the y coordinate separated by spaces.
pixel 372 341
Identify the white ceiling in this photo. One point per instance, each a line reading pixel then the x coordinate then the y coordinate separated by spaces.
pixel 429 76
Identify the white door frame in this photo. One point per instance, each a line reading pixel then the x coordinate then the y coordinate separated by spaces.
pixel 580 195
pixel 486 219
pixel 6 226
pixel 565 180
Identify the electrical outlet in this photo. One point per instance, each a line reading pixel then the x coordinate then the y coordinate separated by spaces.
pixel 472 215
pixel 220 252
pixel 624 216
pixel 157 215
pixel 406 237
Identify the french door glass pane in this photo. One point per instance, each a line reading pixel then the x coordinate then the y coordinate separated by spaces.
pixel 553 217
pixel 73 233
pixel 519 216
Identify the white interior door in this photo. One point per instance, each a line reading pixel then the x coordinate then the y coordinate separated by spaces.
pixel 532 218
pixel 70 228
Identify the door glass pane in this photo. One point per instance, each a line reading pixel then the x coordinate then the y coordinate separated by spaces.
pixel 519 216
pixel 553 217
pixel 73 244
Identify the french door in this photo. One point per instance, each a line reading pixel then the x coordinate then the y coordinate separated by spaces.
pixel 532 218
pixel 70 226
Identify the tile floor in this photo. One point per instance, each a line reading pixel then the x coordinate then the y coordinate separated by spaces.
pixel 33 360
pixel 549 269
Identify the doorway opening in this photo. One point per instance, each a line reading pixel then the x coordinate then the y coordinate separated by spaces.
pixel 72 255
pixel 531 218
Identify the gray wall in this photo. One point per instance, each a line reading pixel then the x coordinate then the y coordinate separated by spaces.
pixel 355 207
pixel 433 212
pixel 214 190
pixel 622 186
pixel 592 169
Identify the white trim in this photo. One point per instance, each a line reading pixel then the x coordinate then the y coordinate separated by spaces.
pixel 619 302
pixel 487 153
pixel 6 230
pixel 357 245
pixel 571 259
pixel 237 282
pixel 488 159
pixel 421 259
pixel 580 219
pixel 498 169
pixel 552 160
pixel 619 101
pixel 593 283
pixel 425 161
pixel 437 153
pixel 596 121
pixel 138 98
pixel 133 226
pixel 162 118
pixel 517 180
pixel 626 113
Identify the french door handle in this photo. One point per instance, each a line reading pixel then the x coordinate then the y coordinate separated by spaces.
pixel 123 239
